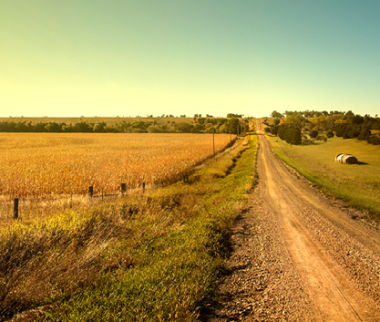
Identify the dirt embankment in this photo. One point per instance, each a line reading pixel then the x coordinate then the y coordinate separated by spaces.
pixel 299 256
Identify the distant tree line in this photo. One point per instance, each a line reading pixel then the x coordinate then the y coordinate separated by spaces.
pixel 199 125
pixel 289 126
pixel 54 127
pixel 234 115
pixel 306 113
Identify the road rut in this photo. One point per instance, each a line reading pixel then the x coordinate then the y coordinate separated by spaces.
pixel 299 256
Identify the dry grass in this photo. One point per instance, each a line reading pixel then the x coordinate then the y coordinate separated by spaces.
pixel 147 257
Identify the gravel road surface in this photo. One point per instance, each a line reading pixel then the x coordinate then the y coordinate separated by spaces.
pixel 299 256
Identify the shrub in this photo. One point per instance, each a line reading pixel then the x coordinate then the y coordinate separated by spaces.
pixel 375 140
pixel 293 136
pixel 274 130
pixel 308 142
pixel 313 134
pixel 321 138
pixel 154 129
pixel 330 134
pixel 365 133
pixel 281 131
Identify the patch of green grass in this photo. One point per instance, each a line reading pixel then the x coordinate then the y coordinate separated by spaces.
pixel 356 184
pixel 155 257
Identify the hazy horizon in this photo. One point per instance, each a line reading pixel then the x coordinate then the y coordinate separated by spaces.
pixel 127 58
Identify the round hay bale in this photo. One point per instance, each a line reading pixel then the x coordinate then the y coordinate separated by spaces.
pixel 350 159
pixel 338 158
pixel 346 158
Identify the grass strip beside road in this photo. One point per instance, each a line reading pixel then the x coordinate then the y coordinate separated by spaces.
pixel 356 184
pixel 150 258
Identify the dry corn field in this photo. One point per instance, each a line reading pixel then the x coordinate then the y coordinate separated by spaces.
pixel 42 164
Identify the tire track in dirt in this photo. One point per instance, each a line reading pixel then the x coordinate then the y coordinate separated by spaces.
pixel 298 257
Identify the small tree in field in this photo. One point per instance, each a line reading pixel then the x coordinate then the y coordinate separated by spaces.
pixel 293 135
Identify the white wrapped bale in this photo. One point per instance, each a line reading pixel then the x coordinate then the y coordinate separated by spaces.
pixel 346 158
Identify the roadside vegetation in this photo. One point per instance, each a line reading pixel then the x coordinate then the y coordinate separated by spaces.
pixel 150 257
pixel 357 184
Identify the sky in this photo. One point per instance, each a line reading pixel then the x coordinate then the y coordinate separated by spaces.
pixel 149 57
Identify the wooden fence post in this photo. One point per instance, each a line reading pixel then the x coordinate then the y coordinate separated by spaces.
pixel 102 196
pixel 15 209
pixel 143 187
pixel 213 139
pixel 71 200
pixel 90 191
pixel 123 188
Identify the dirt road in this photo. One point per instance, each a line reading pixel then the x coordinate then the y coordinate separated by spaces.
pixel 299 256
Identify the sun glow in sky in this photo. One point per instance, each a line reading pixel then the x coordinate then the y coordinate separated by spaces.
pixel 122 57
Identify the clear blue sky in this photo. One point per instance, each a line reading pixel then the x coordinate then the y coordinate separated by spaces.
pixel 109 58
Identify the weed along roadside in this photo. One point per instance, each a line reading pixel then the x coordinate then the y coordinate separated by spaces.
pixel 152 257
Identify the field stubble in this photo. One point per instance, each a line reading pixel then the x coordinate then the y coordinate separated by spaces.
pixel 43 164
pixel 42 167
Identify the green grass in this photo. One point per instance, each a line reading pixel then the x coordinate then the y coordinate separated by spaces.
pixel 149 258
pixel 356 184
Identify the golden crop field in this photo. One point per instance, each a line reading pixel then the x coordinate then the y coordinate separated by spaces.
pixel 39 164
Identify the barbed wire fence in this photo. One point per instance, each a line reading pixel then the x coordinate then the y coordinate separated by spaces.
pixel 15 206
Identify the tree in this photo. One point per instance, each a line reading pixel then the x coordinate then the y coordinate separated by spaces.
pixel 82 127
pixel 48 127
pixel 201 120
pixel 274 128
pixel 97 127
pixel 154 129
pixel 282 131
pixel 230 115
pixel 232 124
pixel 198 128
pixel 296 119
pixel 277 115
pixel 330 134
pixel 365 133
pixel 293 135
pixel 183 127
